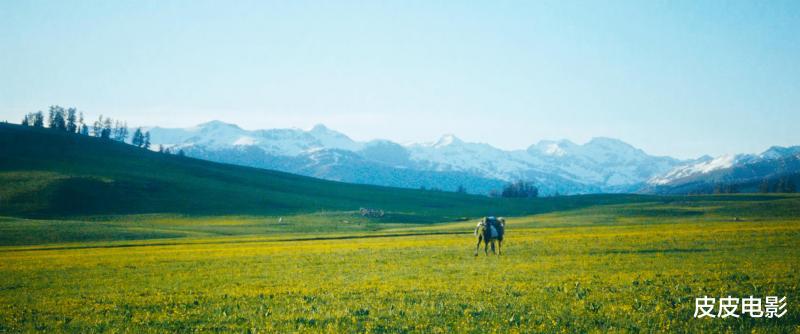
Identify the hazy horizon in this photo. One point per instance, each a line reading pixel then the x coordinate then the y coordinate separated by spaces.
pixel 679 78
pixel 522 146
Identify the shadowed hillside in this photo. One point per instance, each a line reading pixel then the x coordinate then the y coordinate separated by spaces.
pixel 51 173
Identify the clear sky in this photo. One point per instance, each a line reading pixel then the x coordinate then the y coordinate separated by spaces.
pixel 680 78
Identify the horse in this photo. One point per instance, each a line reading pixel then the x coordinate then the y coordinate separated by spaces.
pixel 484 233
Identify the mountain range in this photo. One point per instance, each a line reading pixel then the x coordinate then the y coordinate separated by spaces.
pixel 604 165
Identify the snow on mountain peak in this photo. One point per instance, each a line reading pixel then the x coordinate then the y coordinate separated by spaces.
pixel 447 140
pixel 609 144
pixel 602 163
pixel 701 166
pixel 777 152
pixel 215 124
pixel 245 141
pixel 554 149
pixel 333 139
pixel 720 162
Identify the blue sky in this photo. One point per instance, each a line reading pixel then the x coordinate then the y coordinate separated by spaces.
pixel 680 78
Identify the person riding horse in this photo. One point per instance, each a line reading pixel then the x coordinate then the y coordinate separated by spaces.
pixel 489 230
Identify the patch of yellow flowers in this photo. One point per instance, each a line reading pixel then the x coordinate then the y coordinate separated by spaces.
pixel 585 278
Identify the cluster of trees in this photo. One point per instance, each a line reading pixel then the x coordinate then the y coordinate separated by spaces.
pixel 782 185
pixel 725 188
pixel 58 118
pixel 518 189
pixel 141 139
pixel 34 119
pixel 70 120
pixel 161 149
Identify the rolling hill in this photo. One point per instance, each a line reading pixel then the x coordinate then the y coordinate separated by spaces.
pixel 51 173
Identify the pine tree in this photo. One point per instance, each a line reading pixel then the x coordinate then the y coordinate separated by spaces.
pixel 71 117
pixel 146 140
pixel 97 127
pixel 180 153
pixel 57 118
pixel 115 130
pixel 51 115
pixel 81 125
pixel 38 119
pixel 121 131
pixel 105 133
pixel 25 120
pixel 138 138
pixel 124 131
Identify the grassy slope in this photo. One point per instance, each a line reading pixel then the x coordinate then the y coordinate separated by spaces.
pixel 614 263
pixel 93 186
pixel 47 173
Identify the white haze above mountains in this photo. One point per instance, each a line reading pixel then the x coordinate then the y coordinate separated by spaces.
pixel 600 165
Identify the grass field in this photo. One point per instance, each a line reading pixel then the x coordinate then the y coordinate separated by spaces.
pixel 620 267
pixel 99 236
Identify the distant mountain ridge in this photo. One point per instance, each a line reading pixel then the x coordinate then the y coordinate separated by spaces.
pixel 744 172
pixel 600 165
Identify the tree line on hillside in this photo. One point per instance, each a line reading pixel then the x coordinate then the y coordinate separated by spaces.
pixel 518 189
pixel 72 121
pixel 779 185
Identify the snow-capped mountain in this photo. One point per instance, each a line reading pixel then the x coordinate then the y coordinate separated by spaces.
pixel 216 135
pixel 600 165
pixel 744 171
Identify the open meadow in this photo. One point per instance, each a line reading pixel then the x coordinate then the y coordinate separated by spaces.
pixel 619 267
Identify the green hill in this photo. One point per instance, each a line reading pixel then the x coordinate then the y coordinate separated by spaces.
pixel 47 173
